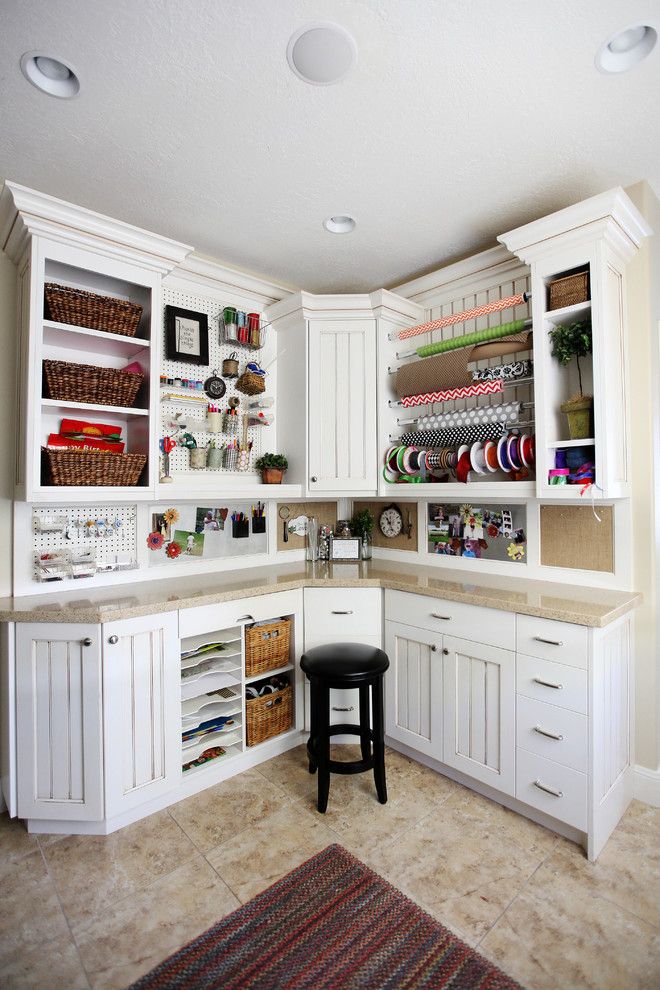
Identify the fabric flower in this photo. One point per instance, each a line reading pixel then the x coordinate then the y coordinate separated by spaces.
pixel 516 551
pixel 171 516
pixel 172 550
pixel 155 540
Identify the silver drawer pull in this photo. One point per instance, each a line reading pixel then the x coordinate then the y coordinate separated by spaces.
pixel 436 615
pixel 351 708
pixel 550 642
pixel 244 618
pixel 548 790
pixel 557 687
pixel 550 735
pixel 342 611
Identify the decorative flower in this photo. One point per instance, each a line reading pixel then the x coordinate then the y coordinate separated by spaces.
pixel 171 516
pixel 172 550
pixel 492 531
pixel 155 540
pixel 516 551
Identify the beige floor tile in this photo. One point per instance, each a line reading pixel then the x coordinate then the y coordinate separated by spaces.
pixel 15 842
pixel 215 815
pixel 137 933
pixel 289 773
pixel 120 864
pixel 54 966
pixel 474 808
pixel 31 914
pixel 573 943
pixel 258 856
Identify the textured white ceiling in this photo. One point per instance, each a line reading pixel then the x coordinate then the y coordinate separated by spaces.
pixel 460 121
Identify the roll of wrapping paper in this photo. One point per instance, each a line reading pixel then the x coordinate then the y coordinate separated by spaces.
pixel 506 372
pixel 468 314
pixel 455 437
pixel 507 412
pixel 469 339
pixel 478 388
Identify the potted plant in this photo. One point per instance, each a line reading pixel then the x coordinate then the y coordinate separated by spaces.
pixel 272 467
pixel 574 341
pixel 362 525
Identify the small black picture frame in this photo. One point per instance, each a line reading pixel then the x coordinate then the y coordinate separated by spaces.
pixel 186 336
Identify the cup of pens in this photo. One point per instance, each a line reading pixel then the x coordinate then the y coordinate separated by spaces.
pixel 240 526
pixel 259 518
pixel 231 423
pixel 231 456
pixel 213 419
pixel 245 447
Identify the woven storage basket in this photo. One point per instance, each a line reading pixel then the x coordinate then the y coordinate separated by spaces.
pixel 269 715
pixel 87 309
pixel 91 467
pixel 70 382
pixel 267 647
pixel 568 291
pixel 251 384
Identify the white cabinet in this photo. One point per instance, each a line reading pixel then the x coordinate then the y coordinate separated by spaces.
pixel 413 688
pixel 59 722
pixel 142 738
pixel 479 712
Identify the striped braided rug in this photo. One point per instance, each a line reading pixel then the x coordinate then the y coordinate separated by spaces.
pixel 330 923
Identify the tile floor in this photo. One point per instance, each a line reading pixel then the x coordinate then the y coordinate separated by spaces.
pixel 100 911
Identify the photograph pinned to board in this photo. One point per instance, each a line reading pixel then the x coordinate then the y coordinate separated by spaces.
pixel 196 533
pixel 192 544
pixel 210 520
pixel 484 532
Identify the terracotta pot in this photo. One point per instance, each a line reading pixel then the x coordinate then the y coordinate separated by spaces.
pixel 272 476
pixel 579 417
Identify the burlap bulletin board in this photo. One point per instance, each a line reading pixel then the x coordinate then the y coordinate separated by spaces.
pixel 571 536
pixel 401 542
pixel 325 512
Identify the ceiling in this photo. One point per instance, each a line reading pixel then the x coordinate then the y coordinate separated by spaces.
pixel 460 121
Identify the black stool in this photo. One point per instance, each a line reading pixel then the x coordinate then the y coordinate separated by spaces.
pixel 346 665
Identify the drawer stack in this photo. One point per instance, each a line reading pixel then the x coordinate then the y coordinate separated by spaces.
pixel 551 718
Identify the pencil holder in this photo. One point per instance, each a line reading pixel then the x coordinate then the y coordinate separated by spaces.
pixel 243 462
pixel 214 422
pixel 231 457
pixel 215 457
pixel 198 457
pixel 258 524
pixel 230 424
pixel 240 530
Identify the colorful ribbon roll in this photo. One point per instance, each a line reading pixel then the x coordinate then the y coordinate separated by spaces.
pixel 468 314
pixel 470 339
pixel 450 394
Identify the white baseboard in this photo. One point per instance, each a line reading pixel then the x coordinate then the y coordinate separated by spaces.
pixel 646 786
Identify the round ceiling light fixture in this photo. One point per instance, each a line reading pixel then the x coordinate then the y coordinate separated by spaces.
pixel 339 223
pixel 321 53
pixel 51 75
pixel 625 49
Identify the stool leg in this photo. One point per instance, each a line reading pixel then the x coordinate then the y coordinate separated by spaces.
pixel 379 740
pixel 365 720
pixel 323 747
pixel 313 725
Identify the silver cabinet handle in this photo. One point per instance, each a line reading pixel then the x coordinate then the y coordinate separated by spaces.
pixel 349 709
pixel 550 735
pixel 339 611
pixel 314 478
pixel 436 615
pixel 548 790
pixel 550 642
pixel 539 680
pixel 244 618
pixel 86 641
pixel 113 640
pixel 434 649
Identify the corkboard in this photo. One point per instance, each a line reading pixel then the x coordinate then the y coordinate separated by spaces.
pixel 571 536
pixel 325 512
pixel 400 542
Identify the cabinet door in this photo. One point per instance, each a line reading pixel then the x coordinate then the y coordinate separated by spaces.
pixel 413 688
pixel 342 406
pixel 479 712
pixel 59 722
pixel 142 688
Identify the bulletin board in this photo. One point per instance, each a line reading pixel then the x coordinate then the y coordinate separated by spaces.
pixel 324 512
pixel 206 531
pixel 571 536
pixel 477 530
pixel 403 541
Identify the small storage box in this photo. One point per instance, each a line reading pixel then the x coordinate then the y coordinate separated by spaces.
pixel 269 715
pixel 267 647
pixel 70 382
pixel 91 467
pixel 568 291
pixel 88 309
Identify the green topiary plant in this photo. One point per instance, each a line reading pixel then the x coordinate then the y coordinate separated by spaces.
pixel 571 341
pixel 362 523
pixel 278 461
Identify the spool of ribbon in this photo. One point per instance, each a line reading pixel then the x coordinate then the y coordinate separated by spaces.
pixel 469 314
pixel 463 467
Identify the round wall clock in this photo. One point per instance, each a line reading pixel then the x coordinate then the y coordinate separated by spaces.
pixel 391 521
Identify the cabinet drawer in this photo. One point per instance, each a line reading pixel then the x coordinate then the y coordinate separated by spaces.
pixel 552 640
pixel 225 615
pixel 552 732
pixel 556 790
pixel 472 622
pixel 342 614
pixel 555 683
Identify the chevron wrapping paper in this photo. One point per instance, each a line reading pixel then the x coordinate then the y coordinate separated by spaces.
pixel 469 314
pixel 479 388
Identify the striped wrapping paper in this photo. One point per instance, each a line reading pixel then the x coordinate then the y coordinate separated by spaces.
pixel 507 412
pixel 479 388
pixel 427 439
pixel 468 314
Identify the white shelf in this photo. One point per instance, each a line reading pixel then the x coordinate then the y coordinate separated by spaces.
pixel 200 658
pixel 269 673
pixel 210 681
pixel 231 752
pixel 221 484
pixel 568 313
pixel 211 710
pixel 85 339
pixel 191 708
pixel 587 442
pixel 224 739
pixel 93 407
pixel 456 492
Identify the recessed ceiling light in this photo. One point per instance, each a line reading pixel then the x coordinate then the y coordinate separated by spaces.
pixel 321 53
pixel 49 74
pixel 340 223
pixel 625 49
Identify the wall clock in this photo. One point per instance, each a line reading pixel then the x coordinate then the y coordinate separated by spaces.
pixel 391 521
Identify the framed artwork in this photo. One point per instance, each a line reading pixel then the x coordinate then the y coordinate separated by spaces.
pixel 186 335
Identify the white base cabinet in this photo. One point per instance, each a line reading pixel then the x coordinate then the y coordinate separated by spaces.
pixel 413 688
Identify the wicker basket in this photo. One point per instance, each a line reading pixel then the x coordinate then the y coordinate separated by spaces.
pixel 568 291
pixel 91 467
pixel 269 715
pixel 267 647
pixel 250 383
pixel 87 309
pixel 70 382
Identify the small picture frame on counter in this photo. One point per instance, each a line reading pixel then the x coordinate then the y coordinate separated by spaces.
pixel 345 549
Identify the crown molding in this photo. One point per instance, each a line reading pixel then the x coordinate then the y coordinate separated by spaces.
pixel 26 212
pixel 308 305
pixel 203 270
pixel 495 261
pixel 390 306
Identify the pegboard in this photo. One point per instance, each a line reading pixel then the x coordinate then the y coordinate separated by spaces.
pixel 77 529
pixel 218 351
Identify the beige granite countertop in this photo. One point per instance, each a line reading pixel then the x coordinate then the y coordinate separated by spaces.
pixel 568 603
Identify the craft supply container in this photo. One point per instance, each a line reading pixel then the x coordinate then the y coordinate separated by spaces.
pixel 243 462
pixel 258 524
pixel 231 424
pixel 231 457
pixel 198 458
pixel 214 422
pixel 214 457
pixel 240 530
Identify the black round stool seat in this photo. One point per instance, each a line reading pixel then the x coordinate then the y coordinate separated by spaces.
pixel 347 666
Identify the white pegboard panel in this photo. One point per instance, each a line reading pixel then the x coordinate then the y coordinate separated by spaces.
pixel 218 351
pixel 110 530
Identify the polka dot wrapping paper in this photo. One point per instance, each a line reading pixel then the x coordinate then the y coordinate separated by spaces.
pixel 455 437
pixel 507 412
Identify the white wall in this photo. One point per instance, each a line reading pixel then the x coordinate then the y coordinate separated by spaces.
pixel 7 415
